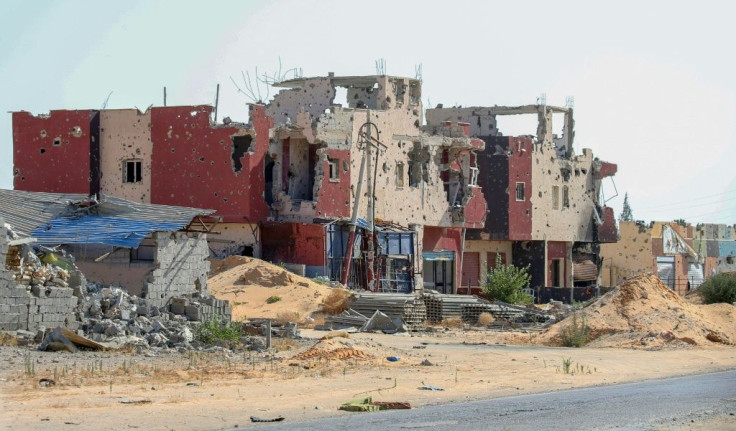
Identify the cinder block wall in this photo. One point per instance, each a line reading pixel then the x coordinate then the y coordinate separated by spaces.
pixel 182 267
pixel 29 309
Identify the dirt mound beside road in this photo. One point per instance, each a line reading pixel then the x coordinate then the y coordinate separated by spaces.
pixel 645 313
pixel 248 282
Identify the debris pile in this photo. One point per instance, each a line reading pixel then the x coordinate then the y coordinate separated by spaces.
pixel 331 349
pixel 645 313
pixel 41 289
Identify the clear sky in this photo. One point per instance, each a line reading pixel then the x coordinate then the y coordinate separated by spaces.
pixel 654 83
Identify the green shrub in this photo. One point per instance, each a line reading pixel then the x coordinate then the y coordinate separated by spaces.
pixel 273 298
pixel 577 334
pixel 214 330
pixel 505 283
pixel 719 288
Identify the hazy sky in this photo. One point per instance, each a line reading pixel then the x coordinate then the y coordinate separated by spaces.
pixel 654 83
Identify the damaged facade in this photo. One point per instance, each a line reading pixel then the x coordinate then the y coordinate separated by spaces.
pixel 154 252
pixel 683 256
pixel 365 193
pixel 544 208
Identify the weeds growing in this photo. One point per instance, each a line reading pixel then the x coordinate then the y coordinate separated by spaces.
pixel 577 334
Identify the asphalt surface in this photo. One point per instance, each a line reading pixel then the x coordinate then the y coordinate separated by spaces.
pixel 635 406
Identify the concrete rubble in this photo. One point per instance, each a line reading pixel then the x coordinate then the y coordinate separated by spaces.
pixel 44 298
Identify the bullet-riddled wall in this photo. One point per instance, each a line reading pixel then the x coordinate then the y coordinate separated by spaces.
pixel 125 154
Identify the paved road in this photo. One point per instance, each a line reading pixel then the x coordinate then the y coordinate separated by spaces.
pixel 634 406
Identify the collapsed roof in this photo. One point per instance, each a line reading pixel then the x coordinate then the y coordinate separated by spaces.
pixel 58 218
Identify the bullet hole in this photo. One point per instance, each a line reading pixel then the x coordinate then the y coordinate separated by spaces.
pixel 173 150
pixel 43 133
pixel 76 131
pixel 193 113
pixel 57 142
pixel 201 159
pixel 43 150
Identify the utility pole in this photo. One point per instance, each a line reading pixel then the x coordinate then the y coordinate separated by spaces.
pixel 365 141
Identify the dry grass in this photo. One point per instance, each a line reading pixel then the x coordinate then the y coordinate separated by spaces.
pixel 7 339
pixel 485 318
pixel 336 302
pixel 288 316
pixel 453 322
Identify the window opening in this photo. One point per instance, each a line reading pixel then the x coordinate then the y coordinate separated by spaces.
pixel 555 197
pixel 566 197
pixel 334 166
pixel 132 171
pixel 473 176
pixel 520 195
pixel 240 146
pixel 400 174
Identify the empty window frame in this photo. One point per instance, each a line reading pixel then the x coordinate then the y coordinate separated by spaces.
pixel 400 174
pixel 132 171
pixel 565 197
pixel 473 177
pixel 334 166
pixel 520 192
pixel 555 197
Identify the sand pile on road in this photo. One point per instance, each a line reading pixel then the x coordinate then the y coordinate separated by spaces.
pixel 248 282
pixel 643 312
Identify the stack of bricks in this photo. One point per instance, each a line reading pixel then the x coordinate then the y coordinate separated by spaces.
pixel 182 267
pixel 201 309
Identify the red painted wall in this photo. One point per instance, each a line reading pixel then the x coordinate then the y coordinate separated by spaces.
pixel 192 163
pixel 445 239
pixel 607 232
pixel 294 243
pixel 476 209
pixel 334 196
pixel 520 170
pixel 606 170
pixel 557 250
pixel 70 166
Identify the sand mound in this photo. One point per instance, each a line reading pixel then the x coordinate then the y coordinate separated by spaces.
pixel 248 282
pixel 643 312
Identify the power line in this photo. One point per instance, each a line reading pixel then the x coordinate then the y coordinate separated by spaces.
pixel 690 201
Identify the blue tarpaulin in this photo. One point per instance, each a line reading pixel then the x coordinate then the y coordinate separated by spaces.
pixel 107 230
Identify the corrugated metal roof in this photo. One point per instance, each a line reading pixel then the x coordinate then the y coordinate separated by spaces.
pixel 55 218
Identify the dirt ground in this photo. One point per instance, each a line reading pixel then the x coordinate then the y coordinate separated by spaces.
pixel 640 331
pixel 182 391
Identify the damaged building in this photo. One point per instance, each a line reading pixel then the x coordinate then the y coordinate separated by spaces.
pixel 342 177
pixel 157 253
pixel 682 255
pixel 543 198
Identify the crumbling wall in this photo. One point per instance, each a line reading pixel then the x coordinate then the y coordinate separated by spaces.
pixel 312 95
pixel 564 194
pixel 717 243
pixel 56 153
pixel 481 121
pixel 182 267
pixel 236 239
pixel 630 256
pixel 125 136
pixel 189 150
pixel 302 243
pixel 37 298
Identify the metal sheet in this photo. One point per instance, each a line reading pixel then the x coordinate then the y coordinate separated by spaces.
pixel 55 218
